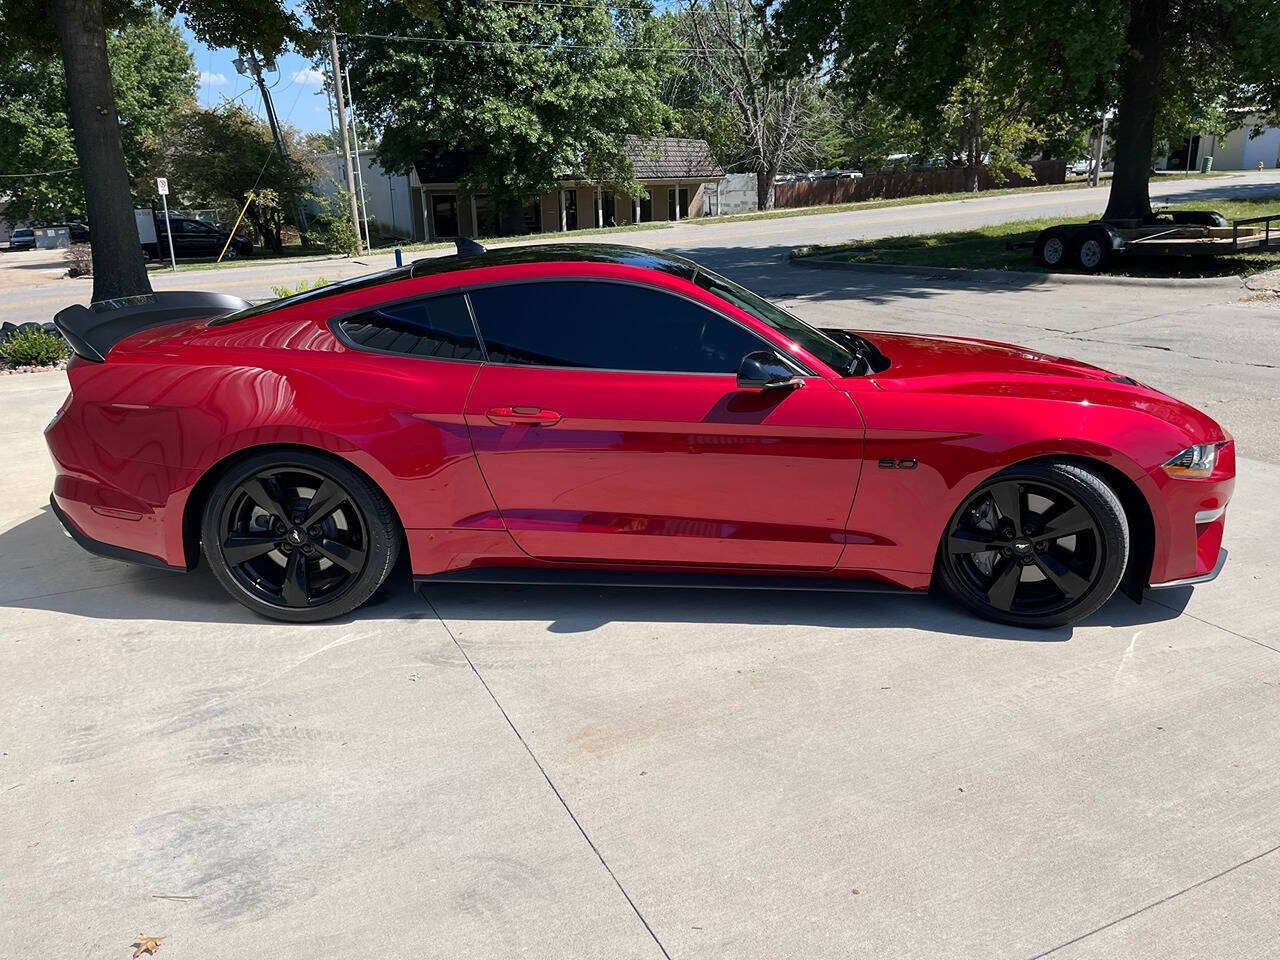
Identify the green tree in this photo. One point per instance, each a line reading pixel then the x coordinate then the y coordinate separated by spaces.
pixel 1067 58
pixel 529 93
pixel 778 114
pixel 77 30
pixel 154 80
pixel 216 157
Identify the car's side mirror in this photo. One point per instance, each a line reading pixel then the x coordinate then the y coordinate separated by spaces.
pixel 765 370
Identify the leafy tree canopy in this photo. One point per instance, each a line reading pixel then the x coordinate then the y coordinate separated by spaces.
pixel 532 93
pixel 1162 63
pixel 213 158
pixel 154 79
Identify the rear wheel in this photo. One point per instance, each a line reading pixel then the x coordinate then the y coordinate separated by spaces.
pixel 1093 250
pixel 299 536
pixel 1040 545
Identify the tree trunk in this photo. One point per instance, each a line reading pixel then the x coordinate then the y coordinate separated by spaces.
pixel 1130 197
pixel 119 269
pixel 766 188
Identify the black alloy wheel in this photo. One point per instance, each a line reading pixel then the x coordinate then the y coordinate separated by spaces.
pixel 300 539
pixel 1040 545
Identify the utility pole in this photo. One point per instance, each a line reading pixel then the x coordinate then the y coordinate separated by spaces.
pixel 250 61
pixel 346 142
pixel 355 137
pixel 1096 167
pixel 328 97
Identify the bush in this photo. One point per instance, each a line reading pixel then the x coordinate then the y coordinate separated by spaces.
pixel 303 287
pixel 34 348
pixel 79 257
pixel 336 234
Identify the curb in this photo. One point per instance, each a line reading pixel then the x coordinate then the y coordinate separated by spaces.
pixel 1014 276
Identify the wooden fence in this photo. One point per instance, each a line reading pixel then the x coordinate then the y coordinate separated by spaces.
pixel 890 184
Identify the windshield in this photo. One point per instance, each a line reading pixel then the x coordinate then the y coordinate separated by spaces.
pixel 837 357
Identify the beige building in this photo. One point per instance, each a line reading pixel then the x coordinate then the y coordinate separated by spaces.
pixel 680 179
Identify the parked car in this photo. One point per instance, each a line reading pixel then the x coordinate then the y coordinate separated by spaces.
pixel 605 415
pixel 23 238
pixel 195 238
pixel 79 232
pixel 1081 168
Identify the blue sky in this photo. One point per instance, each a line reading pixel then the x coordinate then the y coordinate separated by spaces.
pixel 296 86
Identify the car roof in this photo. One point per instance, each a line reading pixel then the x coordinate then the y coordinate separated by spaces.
pixel 615 253
pixel 612 253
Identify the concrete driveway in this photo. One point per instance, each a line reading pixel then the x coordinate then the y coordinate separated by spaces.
pixel 553 772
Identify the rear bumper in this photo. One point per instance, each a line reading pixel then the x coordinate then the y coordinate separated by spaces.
pixel 108 550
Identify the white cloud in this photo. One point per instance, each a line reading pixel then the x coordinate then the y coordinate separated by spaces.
pixel 310 77
pixel 208 79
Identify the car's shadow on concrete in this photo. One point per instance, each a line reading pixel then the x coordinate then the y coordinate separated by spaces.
pixel 41 569
pixel 570 609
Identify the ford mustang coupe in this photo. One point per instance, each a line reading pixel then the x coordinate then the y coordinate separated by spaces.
pixel 603 414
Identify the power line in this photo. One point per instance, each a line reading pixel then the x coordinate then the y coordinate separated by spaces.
pixel 39 173
pixel 530 45
pixel 603 5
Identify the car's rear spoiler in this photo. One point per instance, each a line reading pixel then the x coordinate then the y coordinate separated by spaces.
pixel 93 330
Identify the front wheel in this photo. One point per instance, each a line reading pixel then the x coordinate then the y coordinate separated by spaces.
pixel 1051 248
pixel 299 536
pixel 1038 545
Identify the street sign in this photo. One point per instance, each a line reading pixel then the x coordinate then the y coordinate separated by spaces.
pixel 162 186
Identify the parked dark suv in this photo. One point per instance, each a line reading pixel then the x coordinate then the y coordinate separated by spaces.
pixel 195 238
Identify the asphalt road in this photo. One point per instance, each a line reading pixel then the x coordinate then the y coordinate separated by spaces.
pixel 553 772
pixel 31 287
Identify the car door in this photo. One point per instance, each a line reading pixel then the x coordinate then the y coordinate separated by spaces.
pixel 609 426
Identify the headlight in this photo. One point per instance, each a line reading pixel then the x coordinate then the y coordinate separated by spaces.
pixel 1196 461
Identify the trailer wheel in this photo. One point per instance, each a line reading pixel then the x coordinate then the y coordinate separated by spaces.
pixel 1051 247
pixel 1093 250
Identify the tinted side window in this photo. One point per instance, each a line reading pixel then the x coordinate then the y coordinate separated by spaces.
pixel 607 326
pixel 437 327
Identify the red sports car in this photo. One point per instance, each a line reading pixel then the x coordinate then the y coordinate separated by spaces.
pixel 603 414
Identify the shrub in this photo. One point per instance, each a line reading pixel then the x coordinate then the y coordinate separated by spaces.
pixel 79 257
pixel 33 348
pixel 303 287
pixel 336 234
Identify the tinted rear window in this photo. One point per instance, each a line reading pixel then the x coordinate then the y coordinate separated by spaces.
pixel 438 327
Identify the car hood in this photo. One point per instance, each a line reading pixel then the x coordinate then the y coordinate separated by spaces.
pixel 960 365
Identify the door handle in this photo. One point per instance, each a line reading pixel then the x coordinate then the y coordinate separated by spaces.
pixel 523 416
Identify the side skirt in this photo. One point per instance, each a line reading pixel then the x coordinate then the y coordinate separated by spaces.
pixel 643 578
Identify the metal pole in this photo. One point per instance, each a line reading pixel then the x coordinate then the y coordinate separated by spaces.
pixel 276 135
pixel 346 143
pixel 355 138
pixel 1096 173
pixel 173 261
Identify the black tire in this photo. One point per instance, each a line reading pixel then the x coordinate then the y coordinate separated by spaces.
pixel 1000 557
pixel 1053 248
pixel 1092 251
pixel 287 564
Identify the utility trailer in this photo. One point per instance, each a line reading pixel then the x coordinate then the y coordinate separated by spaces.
pixel 1186 233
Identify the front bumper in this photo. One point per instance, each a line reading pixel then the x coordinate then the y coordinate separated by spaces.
pixel 1197 578
pixel 1190 527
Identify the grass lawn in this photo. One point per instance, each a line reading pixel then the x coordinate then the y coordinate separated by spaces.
pixel 987 248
